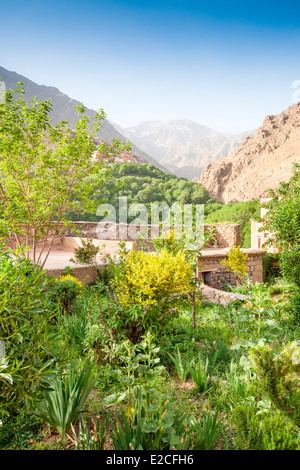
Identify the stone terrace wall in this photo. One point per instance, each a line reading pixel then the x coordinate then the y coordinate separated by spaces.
pixel 220 297
pixel 226 235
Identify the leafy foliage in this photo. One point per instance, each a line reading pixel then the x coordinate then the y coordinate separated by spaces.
pixel 153 283
pixel 267 431
pixel 26 313
pixel 46 171
pixel 200 375
pixel 66 289
pixel 66 397
pixel 271 266
pixel 138 365
pixel 278 377
pixel 182 367
pixel 150 424
pixel 136 181
pixel 87 252
pixel 283 221
pixel 148 279
pixel 207 432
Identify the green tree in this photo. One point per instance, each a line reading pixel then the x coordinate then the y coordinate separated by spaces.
pixel 283 221
pixel 45 171
pixel 146 184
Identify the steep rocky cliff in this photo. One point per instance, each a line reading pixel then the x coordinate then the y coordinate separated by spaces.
pixel 261 162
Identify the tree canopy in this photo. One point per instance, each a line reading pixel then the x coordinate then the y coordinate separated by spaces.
pixel 283 221
pixel 146 184
pixel 45 171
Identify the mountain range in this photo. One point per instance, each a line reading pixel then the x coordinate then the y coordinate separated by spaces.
pixel 64 110
pixel 182 146
pixel 231 167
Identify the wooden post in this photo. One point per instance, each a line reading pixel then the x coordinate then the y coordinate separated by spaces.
pixel 194 309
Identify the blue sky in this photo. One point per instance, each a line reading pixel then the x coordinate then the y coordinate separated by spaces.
pixel 222 64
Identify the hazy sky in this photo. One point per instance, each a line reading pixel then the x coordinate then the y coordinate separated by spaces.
pixel 222 64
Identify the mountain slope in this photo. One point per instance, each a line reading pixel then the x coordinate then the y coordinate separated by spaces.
pixel 64 109
pixel 261 162
pixel 182 146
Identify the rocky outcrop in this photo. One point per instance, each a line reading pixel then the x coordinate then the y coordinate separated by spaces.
pixel 262 161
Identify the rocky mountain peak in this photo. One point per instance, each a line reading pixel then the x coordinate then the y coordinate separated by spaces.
pixel 261 162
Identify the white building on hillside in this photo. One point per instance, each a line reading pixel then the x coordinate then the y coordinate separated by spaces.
pixel 259 238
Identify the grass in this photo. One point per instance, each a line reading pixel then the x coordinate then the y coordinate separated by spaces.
pixel 202 377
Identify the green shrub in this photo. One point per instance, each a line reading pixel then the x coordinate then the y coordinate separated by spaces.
pixel 151 424
pixel 94 256
pixel 151 285
pixel 67 288
pixel 207 432
pixel 236 262
pixel 86 253
pixel 294 305
pixel 271 266
pixel 74 329
pixel 266 431
pixel 182 368
pixel 138 365
pixel 199 373
pixel 111 323
pixel 278 377
pixel 65 397
pixel 238 385
pixel 26 328
pixel 18 431
pixel 218 355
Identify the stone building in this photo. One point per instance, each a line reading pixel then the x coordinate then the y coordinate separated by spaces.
pixel 259 238
pixel 107 236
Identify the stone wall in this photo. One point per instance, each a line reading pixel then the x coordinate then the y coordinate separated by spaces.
pixel 216 296
pixel 225 235
pixel 85 274
pixel 214 274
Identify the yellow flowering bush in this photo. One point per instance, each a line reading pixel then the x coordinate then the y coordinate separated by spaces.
pixel 69 277
pixel 150 278
pixel 236 262
pixel 148 287
pixel 67 287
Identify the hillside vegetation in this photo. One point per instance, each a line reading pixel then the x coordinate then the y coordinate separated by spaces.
pixel 146 184
pixel 239 213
